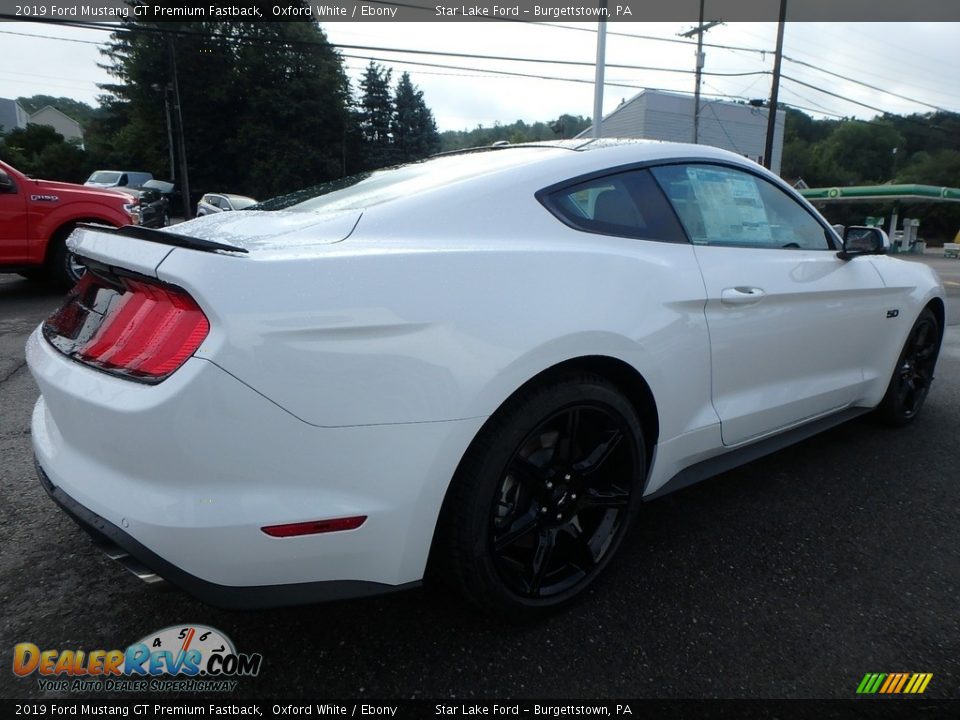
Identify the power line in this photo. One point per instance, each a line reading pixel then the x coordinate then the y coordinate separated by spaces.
pixel 558 26
pixel 404 51
pixel 504 73
pixel 53 37
pixel 866 85
pixel 654 38
pixel 836 95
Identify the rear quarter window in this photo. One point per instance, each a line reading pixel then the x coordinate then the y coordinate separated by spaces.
pixel 628 204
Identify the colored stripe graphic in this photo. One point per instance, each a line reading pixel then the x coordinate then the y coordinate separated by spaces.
pixel 894 683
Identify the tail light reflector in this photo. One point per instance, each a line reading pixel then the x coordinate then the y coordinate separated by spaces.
pixel 134 327
pixel 315 527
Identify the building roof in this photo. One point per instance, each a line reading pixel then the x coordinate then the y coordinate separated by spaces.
pixel 12 115
pixel 51 108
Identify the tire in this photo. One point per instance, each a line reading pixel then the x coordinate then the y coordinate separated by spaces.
pixel 64 268
pixel 532 519
pixel 913 373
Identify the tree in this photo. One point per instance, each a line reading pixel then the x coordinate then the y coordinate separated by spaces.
pixel 377 116
pixel 414 131
pixel 40 151
pixel 938 168
pixel 566 126
pixel 856 153
pixel 264 105
pixel 293 116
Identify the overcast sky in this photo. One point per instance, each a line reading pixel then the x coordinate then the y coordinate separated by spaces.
pixel 915 60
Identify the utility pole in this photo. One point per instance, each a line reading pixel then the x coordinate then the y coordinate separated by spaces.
pixel 166 109
pixel 184 179
pixel 775 89
pixel 598 79
pixel 699 30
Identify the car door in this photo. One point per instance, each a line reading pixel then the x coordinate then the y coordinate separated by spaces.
pixel 14 245
pixel 791 325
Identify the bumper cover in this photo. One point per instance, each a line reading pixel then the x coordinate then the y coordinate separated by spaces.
pixel 107 536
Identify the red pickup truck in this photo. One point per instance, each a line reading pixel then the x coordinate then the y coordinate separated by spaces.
pixel 37 216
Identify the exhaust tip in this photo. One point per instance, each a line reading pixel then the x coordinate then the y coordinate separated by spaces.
pixel 131 564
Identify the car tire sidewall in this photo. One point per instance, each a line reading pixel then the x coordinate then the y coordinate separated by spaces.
pixel 62 270
pixel 483 467
pixel 890 411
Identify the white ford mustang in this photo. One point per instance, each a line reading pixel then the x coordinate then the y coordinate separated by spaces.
pixel 478 366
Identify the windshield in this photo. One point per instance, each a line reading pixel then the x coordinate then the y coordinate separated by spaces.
pixel 240 202
pixel 366 189
pixel 160 185
pixel 104 177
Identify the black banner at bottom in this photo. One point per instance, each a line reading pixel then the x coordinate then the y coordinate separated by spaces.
pixel 418 709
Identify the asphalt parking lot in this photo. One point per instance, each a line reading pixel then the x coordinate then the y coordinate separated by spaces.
pixel 790 577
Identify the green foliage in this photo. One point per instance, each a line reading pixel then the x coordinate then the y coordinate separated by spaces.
pixel 40 151
pixel 264 105
pixel 267 108
pixel 376 105
pixel 566 126
pixel 942 167
pixel 828 153
pixel 393 128
pixel 414 129
pixel 858 153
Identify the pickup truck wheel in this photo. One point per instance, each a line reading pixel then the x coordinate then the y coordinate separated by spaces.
pixel 64 267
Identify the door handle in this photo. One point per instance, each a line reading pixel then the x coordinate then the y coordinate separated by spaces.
pixel 741 295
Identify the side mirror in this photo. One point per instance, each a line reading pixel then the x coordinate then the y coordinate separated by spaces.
pixel 6 184
pixel 861 240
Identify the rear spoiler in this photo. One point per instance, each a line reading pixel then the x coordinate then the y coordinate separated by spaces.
pixel 164 238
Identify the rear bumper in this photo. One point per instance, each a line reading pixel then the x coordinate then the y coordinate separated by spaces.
pixel 183 475
pixel 148 566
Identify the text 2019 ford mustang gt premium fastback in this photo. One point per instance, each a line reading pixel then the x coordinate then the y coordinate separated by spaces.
pixel 477 365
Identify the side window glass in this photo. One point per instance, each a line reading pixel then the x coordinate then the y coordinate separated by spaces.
pixel 724 206
pixel 628 204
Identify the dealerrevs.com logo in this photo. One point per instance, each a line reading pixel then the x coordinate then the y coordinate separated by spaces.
pixel 179 658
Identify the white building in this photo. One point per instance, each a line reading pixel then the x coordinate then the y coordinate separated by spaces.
pixel 659 115
pixel 62 123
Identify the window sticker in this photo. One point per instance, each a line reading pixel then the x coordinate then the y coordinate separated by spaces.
pixel 731 207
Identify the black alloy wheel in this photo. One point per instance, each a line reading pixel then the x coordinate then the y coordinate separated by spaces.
pixel 914 372
pixel 561 500
pixel 542 498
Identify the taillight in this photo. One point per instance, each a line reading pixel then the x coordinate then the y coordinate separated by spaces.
pixel 134 327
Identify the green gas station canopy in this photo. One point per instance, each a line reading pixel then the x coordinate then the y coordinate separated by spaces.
pixel 875 193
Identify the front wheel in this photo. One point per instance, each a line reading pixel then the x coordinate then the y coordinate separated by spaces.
pixel 543 497
pixel 913 374
pixel 65 268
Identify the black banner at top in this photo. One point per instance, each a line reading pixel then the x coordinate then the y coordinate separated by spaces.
pixel 480 10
